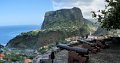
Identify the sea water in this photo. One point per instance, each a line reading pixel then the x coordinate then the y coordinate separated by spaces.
pixel 9 32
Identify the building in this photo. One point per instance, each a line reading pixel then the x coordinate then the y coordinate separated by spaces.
pixel 2 56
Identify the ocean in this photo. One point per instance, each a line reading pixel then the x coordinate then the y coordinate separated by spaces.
pixel 9 32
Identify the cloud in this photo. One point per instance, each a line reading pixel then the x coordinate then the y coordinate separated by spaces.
pixel 85 5
pixel 71 1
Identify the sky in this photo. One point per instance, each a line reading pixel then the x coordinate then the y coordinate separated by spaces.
pixel 31 12
pixel 23 12
pixel 85 5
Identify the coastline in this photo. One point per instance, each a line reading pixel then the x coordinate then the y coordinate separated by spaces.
pixel 9 32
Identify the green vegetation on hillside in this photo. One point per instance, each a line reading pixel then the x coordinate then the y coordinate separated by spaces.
pixel 57 26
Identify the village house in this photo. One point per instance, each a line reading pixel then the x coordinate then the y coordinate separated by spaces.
pixel 2 56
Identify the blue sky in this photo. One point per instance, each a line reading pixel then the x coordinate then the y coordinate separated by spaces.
pixel 31 12
pixel 23 12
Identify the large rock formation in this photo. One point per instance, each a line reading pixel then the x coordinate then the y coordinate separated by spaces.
pixel 67 20
pixel 57 26
pixel 63 17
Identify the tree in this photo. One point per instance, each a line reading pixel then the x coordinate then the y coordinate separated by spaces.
pixel 110 16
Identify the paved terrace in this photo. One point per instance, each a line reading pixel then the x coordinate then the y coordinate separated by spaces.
pixel 111 55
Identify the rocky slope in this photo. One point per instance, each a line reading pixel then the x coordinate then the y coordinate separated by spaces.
pixel 57 26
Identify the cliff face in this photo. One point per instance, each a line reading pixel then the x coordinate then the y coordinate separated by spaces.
pixel 57 26
pixel 62 18
pixel 68 20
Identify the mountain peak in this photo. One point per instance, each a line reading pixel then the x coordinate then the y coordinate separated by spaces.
pixel 62 15
pixel 76 8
